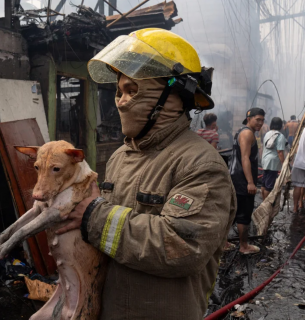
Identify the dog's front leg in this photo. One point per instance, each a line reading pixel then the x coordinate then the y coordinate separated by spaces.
pixel 22 221
pixel 43 221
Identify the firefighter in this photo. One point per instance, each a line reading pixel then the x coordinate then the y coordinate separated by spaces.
pixel 167 201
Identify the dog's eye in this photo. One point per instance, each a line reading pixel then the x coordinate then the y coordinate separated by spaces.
pixel 56 169
pixel 36 167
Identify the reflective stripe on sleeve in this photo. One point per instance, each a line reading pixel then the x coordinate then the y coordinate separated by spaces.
pixel 112 230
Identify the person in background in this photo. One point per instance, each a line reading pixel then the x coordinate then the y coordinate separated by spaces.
pixel 292 127
pixel 298 174
pixel 285 130
pixel 273 155
pixel 209 133
pixel 244 171
pixel 260 138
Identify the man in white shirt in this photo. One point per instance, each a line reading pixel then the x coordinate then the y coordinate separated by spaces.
pixel 298 173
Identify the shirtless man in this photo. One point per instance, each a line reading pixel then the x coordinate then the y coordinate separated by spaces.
pixel 292 127
pixel 244 172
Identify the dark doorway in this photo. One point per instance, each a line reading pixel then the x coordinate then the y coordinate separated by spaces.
pixel 70 121
pixel 7 208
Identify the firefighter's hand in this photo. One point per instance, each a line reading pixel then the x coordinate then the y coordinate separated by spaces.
pixel 76 216
pixel 251 188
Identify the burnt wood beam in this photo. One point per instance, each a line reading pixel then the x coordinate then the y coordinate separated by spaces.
pixel 8 14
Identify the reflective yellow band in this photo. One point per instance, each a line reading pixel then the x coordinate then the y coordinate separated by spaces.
pixel 213 285
pixel 112 230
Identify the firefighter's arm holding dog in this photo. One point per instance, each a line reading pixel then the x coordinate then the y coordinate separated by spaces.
pixel 76 215
pixel 181 240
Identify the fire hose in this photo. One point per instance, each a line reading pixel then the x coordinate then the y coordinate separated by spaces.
pixel 224 310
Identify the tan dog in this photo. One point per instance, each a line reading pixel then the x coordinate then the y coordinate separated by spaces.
pixel 64 180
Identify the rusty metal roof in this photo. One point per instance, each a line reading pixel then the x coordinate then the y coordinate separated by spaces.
pixel 157 16
pixel 169 10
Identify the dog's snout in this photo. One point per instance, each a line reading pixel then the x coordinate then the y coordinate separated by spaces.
pixel 38 197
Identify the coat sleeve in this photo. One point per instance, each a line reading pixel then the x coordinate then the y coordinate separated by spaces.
pixel 192 226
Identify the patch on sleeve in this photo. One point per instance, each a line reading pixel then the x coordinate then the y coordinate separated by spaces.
pixel 181 201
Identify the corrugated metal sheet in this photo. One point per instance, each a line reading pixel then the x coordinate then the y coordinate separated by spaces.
pixel 158 16
pixel 169 10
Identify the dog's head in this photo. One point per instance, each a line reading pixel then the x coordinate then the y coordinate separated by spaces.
pixel 56 164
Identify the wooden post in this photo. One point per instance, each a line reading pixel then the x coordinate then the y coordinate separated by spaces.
pixel 8 14
pixel 48 12
pixel 101 8
pixel 112 4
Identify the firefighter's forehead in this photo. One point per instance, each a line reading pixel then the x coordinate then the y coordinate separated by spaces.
pixel 125 82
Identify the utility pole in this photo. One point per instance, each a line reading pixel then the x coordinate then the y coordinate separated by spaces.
pixel 255 70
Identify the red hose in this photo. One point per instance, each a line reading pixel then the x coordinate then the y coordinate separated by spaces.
pixel 224 310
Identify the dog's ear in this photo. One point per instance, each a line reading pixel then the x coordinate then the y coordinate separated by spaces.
pixel 76 154
pixel 29 151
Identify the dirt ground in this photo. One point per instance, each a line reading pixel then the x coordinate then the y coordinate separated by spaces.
pixel 13 305
pixel 284 297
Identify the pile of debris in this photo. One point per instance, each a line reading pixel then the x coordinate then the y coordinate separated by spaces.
pixel 18 283
pixel 86 25
pixel 44 26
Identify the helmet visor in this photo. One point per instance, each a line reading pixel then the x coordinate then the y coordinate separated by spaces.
pixel 132 57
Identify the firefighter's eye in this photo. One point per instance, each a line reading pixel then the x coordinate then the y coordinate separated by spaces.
pixel 36 167
pixel 56 169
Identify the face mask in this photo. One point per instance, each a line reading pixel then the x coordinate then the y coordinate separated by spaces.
pixel 134 113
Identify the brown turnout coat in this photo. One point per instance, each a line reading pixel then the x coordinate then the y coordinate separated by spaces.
pixel 164 256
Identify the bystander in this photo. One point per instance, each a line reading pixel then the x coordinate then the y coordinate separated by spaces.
pixel 292 127
pixel 273 155
pixel 209 133
pixel 244 171
pixel 298 173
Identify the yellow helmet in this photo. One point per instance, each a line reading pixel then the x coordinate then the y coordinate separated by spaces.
pixel 146 54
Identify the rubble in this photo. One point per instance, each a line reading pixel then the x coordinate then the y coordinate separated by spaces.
pixel 85 26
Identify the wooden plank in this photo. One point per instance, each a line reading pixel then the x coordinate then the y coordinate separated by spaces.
pixel 37 258
pixel 23 177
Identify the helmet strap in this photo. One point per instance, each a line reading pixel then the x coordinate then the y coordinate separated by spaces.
pixel 155 112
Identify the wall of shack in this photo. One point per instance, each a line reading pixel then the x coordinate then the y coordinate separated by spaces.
pixel 14 60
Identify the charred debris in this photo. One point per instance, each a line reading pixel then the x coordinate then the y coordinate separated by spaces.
pixel 50 31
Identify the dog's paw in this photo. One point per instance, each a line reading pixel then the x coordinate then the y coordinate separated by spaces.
pixel 4 250
pixel 3 237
